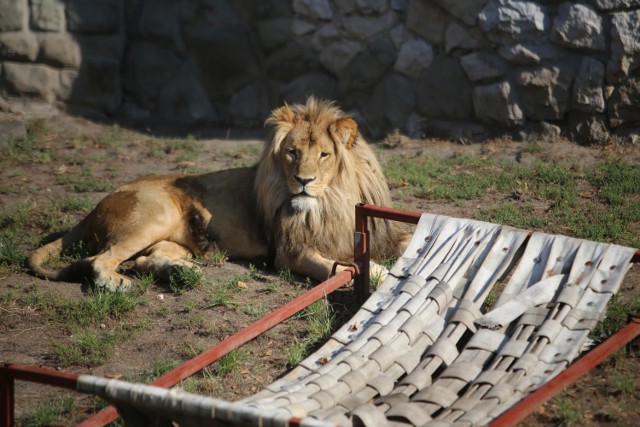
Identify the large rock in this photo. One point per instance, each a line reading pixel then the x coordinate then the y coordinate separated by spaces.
pixel 545 92
pixel 391 102
pixel 615 4
pixel 47 15
pixel 149 68
pixel 483 66
pixel 93 16
pixel 496 103
pixel 624 108
pixel 506 21
pixel 18 46
pixel 530 53
pixel 96 85
pixel 325 36
pixel 60 50
pixel 465 10
pixel 290 61
pixel 12 14
pixel 40 81
pixel 427 20
pixel 338 55
pixel 587 88
pixel 371 7
pixel 587 128
pixel 184 99
pixel 365 27
pixel 415 56
pixel 319 84
pixel 460 37
pixel 578 26
pixel 625 45
pixel 450 100
pixel 278 31
pixel 316 9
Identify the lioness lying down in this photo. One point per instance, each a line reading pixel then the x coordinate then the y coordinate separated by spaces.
pixel 296 207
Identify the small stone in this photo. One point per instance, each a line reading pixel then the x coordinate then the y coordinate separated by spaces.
pixel 530 53
pixel 578 26
pixel 506 21
pixel 496 103
pixel 587 88
pixel 47 15
pixel 588 129
pixel 481 66
pixel 60 50
pixel 337 55
pixel 316 9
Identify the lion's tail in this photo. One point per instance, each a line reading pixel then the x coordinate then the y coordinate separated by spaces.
pixel 52 250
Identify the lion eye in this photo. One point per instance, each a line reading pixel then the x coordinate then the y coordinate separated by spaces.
pixel 292 152
pixel 324 154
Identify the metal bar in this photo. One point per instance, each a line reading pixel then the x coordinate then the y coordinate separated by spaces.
pixel 209 356
pixel 361 256
pixel 389 213
pixel 40 375
pixel 527 406
pixel 6 399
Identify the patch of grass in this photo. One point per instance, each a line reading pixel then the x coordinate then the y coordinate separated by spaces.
pixel 615 180
pixel 96 308
pixel 516 215
pixel 88 348
pixel 255 310
pixel 295 353
pixel 144 281
pixel 217 257
pixel 229 363
pixel 160 367
pixel 10 255
pixel 75 203
pixel 47 413
pixel 616 317
pixel 221 295
pixel 320 318
pixel 84 182
pixel 186 149
pixel 185 279
pixel 286 275
pixel 567 411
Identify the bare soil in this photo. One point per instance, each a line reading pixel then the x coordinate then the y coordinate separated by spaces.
pixel 175 327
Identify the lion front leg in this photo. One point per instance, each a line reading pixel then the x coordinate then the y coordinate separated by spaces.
pixel 309 263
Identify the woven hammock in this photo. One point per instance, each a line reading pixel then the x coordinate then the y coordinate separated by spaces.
pixel 424 350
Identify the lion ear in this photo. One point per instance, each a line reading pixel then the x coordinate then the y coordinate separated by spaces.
pixel 344 131
pixel 282 120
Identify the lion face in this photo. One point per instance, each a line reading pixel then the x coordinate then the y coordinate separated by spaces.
pixel 308 158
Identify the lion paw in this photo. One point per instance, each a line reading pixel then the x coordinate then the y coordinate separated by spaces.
pixel 113 282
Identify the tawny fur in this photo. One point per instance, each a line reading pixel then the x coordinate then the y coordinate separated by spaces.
pixel 297 206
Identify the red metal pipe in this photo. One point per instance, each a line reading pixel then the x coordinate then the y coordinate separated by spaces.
pixel 209 356
pixel 6 399
pixel 389 213
pixel 527 406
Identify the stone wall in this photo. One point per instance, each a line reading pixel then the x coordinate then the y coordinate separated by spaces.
pixel 451 68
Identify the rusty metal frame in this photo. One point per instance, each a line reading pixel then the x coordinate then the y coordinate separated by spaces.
pixel 360 274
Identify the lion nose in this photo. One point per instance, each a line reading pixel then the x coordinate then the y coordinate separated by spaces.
pixel 304 181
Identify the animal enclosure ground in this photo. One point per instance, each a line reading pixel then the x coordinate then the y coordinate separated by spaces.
pixel 54 174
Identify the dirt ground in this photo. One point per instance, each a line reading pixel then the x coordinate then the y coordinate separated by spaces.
pixel 173 327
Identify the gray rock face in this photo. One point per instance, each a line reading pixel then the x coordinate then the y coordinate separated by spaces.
pixel 496 103
pixel 157 22
pixel 12 14
pixel 249 104
pixel 615 4
pixel 365 27
pixel 184 98
pixel 531 54
pixel 444 91
pixel 625 45
pixel 40 81
pixel 369 7
pixel 427 20
pixel 275 32
pixel 588 128
pixel 60 51
pixel 460 37
pixel 415 55
pixel 624 108
pixel 507 21
pixel 97 84
pixel 93 16
pixel 587 88
pixel 578 26
pixel 47 15
pixel 337 55
pixel 290 61
pixel 149 70
pixel 482 66
pixel 316 9
pixel 545 92
pixel 319 84
pixel 18 46
pixel 391 102
pixel 465 10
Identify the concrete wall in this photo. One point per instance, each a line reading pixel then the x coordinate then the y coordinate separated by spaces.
pixel 450 68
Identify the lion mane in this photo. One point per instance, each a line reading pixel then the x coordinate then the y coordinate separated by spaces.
pixel 329 224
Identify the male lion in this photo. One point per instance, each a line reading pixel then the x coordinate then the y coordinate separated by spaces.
pixel 296 206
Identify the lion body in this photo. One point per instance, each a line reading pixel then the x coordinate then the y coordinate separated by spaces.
pixel 296 206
